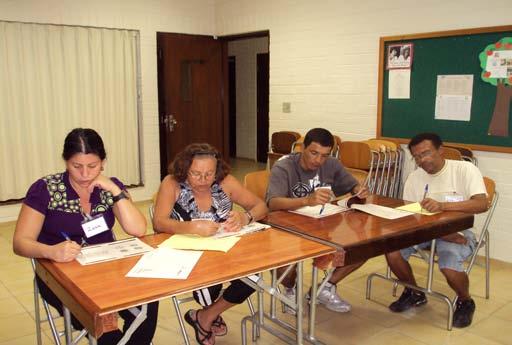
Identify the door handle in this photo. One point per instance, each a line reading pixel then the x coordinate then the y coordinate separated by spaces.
pixel 170 122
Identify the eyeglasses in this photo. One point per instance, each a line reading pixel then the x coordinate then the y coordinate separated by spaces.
pixel 418 157
pixel 196 175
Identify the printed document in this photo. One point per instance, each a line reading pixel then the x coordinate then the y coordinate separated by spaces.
pixel 112 251
pixel 380 211
pixel 165 263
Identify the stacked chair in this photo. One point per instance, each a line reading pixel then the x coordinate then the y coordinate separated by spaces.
pixel 281 143
pixel 382 160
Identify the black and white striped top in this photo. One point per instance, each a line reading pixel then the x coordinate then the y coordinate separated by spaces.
pixel 185 207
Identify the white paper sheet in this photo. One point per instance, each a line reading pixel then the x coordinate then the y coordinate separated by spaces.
pixel 112 251
pixel 165 263
pixel 454 97
pixel 380 211
pixel 314 211
pixel 399 84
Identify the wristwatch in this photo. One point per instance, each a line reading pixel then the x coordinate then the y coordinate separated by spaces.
pixel 119 196
pixel 249 216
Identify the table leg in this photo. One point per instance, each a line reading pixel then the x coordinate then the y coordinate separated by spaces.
pixel 299 301
pixel 312 303
pixel 67 325
pixel 180 319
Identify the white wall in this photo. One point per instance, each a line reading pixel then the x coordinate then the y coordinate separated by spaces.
pixel 148 16
pixel 324 60
pixel 246 104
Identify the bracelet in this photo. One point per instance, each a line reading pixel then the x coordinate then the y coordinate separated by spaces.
pixel 249 217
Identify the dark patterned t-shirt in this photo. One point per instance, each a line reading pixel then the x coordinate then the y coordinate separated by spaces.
pixel 55 198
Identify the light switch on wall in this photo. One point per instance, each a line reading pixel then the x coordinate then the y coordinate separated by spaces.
pixel 287 107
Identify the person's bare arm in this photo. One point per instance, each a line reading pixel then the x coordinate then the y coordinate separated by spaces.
pixel 25 242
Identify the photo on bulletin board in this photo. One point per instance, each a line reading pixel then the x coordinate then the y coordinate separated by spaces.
pixel 400 56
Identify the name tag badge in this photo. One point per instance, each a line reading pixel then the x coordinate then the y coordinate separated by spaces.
pixel 453 198
pixel 94 226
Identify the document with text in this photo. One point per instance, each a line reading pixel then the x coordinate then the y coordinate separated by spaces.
pixel 165 263
pixel 112 251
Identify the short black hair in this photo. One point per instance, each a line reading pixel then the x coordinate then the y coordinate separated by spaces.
pixel 83 140
pixel 319 135
pixel 433 137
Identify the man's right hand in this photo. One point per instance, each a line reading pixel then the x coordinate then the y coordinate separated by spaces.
pixel 319 197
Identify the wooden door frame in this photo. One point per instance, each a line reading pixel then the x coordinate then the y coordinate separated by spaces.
pixel 235 37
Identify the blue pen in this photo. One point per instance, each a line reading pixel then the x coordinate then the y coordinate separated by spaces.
pixel 322 209
pixel 424 195
pixel 66 236
pixel 426 191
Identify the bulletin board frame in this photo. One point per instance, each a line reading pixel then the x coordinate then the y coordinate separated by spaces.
pixel 395 118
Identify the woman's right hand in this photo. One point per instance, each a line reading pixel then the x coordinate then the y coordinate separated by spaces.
pixel 65 251
pixel 205 228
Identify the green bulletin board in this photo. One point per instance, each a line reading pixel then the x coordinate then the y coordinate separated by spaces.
pixel 442 53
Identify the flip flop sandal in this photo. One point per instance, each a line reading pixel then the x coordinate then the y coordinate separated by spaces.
pixel 202 335
pixel 220 327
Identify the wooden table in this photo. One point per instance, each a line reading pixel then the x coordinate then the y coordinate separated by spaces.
pixel 359 236
pixel 92 292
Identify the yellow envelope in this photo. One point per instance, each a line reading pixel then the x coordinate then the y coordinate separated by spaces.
pixel 196 242
pixel 416 208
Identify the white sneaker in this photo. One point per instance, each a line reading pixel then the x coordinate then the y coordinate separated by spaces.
pixel 291 294
pixel 332 300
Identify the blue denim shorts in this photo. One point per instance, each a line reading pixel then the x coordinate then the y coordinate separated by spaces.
pixel 450 255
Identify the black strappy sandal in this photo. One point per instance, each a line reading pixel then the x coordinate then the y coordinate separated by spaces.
pixel 201 334
pixel 219 323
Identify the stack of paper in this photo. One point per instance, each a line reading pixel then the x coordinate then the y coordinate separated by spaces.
pixel 196 242
pixel 165 263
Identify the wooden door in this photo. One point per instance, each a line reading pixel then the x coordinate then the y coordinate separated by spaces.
pixel 192 77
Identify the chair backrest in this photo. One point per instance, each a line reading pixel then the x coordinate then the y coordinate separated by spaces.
pixel 490 186
pixel 466 153
pixel 451 153
pixel 355 154
pixel 298 145
pixel 359 175
pixel 257 182
pixel 281 142
pixel 336 148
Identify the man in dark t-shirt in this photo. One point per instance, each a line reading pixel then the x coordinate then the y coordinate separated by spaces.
pixel 296 181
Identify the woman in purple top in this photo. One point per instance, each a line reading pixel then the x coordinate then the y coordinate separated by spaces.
pixel 63 211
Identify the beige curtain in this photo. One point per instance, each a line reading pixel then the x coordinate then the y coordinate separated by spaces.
pixel 55 78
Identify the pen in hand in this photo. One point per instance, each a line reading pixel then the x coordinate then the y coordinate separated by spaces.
pixel 322 209
pixel 66 236
pixel 424 195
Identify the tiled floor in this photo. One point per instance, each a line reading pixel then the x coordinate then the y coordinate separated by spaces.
pixel 369 323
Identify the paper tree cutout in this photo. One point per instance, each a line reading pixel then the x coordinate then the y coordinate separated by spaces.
pixel 496 63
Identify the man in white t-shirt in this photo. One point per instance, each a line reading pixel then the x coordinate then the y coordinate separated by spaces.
pixel 441 185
